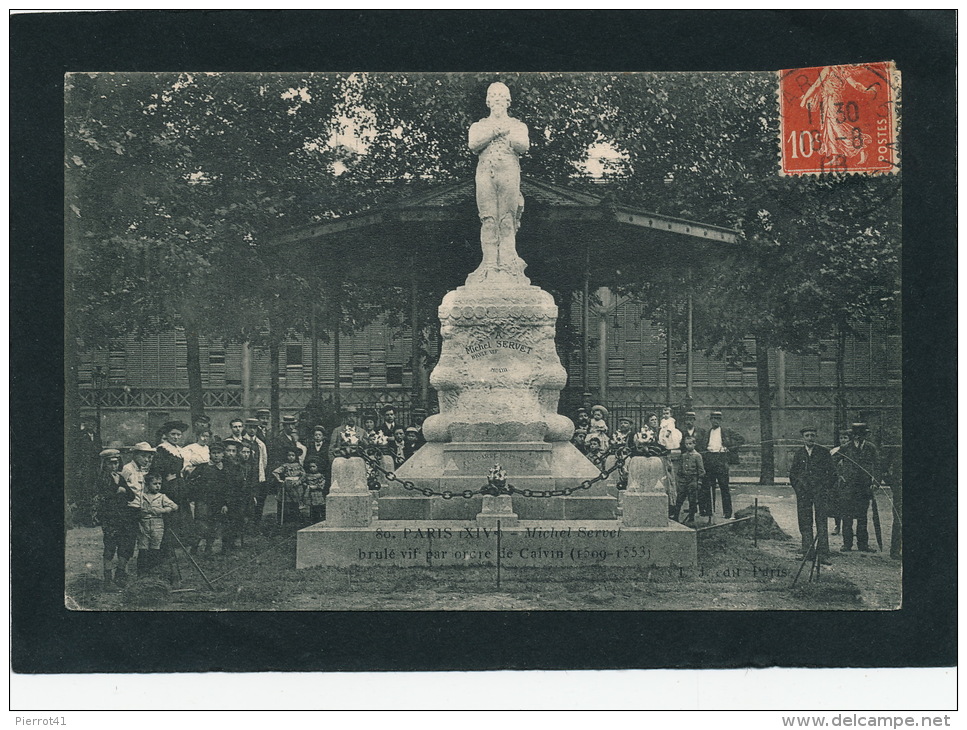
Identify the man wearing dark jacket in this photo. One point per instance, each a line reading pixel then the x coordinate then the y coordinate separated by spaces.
pixel 860 469
pixel 812 476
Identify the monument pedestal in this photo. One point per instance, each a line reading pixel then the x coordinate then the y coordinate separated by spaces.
pixel 467 543
pixel 463 466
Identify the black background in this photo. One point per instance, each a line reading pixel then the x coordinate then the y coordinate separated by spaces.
pixel 43 46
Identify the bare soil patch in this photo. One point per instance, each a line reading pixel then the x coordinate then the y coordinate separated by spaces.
pixel 733 574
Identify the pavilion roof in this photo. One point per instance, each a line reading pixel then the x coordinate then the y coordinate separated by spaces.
pixel 545 202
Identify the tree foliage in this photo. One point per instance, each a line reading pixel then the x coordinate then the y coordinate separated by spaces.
pixel 177 184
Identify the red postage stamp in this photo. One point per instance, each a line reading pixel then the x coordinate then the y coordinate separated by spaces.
pixel 839 119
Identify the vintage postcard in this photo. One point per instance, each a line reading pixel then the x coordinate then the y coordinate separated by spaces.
pixel 484 341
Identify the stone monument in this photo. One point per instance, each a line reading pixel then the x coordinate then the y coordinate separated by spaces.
pixel 498 381
pixel 499 376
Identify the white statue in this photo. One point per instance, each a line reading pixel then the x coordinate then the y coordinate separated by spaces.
pixel 497 141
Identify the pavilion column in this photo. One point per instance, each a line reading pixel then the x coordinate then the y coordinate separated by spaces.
pixel 603 357
pixel 335 357
pixel 246 379
pixel 314 334
pixel 781 392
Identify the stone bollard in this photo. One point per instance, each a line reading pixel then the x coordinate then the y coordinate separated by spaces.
pixel 497 508
pixel 386 461
pixel 645 502
pixel 349 503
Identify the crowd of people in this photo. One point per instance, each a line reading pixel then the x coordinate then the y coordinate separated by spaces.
pixel 836 484
pixel 841 484
pixel 154 499
pixel 696 459
pixel 157 499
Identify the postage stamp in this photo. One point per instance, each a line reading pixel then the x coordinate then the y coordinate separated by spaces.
pixel 839 119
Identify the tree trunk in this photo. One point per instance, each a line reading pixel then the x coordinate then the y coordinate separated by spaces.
pixel 274 396
pixel 336 396
pixel 840 397
pixel 767 467
pixel 416 356
pixel 196 395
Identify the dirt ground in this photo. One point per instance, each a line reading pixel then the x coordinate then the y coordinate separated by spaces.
pixel 733 574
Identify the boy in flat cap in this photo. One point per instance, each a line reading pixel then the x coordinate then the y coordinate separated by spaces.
pixel 264 415
pixel 119 523
pixel 419 416
pixel 411 441
pixel 209 486
pixel 812 476
pixel 691 473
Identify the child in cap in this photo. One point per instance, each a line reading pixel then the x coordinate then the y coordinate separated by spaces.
pixel 412 445
pixel 154 505
pixel 119 522
pixel 691 473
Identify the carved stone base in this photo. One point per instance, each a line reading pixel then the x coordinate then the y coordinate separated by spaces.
pixel 555 545
pixel 531 465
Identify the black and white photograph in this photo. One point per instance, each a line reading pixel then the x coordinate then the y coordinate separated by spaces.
pixel 484 341
pixel 555 351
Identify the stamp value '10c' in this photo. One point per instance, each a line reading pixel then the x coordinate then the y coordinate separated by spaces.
pixel 839 119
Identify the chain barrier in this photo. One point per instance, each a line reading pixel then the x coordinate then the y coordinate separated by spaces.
pixel 372 458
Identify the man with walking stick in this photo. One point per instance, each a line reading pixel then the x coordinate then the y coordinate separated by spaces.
pixel 860 469
pixel 812 476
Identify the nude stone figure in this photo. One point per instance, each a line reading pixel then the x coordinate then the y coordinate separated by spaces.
pixel 497 141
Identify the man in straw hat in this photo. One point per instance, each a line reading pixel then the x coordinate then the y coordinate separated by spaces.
pixel 719 450
pixel 133 473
